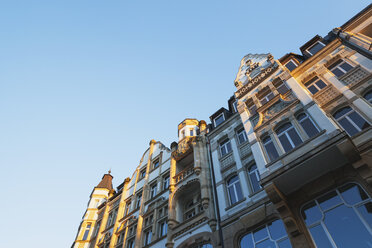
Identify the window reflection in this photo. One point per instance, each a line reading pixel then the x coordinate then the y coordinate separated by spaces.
pixel 340 219
pixel 271 235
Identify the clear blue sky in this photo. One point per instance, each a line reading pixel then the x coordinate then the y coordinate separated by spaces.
pixel 85 85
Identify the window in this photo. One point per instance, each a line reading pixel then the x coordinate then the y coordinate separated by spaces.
pixel 252 108
pixel 155 164
pixel 149 220
pixel 242 136
pixel 163 228
pixel 265 95
pixel 281 87
pixel 139 198
pixel 153 191
pixel 189 210
pixel 340 67
pixel 234 190
pixel 271 235
pixel 315 85
pixel 341 218
pixel 291 65
pixel 254 178
pixel 235 106
pixel 132 230
pixel 112 217
pixel 315 48
pixel 350 120
pixel 127 208
pixel 130 243
pixel 96 229
pixel 166 183
pixel 183 134
pixel 143 174
pixel 288 137
pixel 307 124
pixel 148 236
pixel 368 96
pixel 225 147
pixel 86 233
pixel 120 238
pixel 218 120
pixel 270 148
pixel 191 132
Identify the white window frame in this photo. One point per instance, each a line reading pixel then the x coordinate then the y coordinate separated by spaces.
pixel 340 68
pixel 153 190
pixel 138 200
pixel 302 120
pixel 224 145
pixel 166 182
pixel 87 231
pixel 308 49
pixel 291 60
pixel 315 85
pixel 191 132
pixel 234 185
pixel 346 115
pixel 235 105
pixel 218 116
pixel 255 173
pixel 285 132
pixel 244 134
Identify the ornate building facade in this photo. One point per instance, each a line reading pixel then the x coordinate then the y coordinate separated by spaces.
pixel 288 164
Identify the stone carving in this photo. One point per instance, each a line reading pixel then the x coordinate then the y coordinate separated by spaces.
pixel 184 148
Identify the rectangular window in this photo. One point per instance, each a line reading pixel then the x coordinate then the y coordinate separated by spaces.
pixel 112 217
pixel 280 86
pixel 315 85
pixel 148 236
pixel 340 67
pixel 96 229
pixel 191 132
pixel 252 108
pixel 130 243
pixel 155 164
pixel 242 136
pixel 235 106
pixel 219 119
pixel 163 228
pixel 120 238
pixel 271 151
pixel 153 191
pixel 139 198
pixel 265 95
pixel 143 174
pixel 225 147
pixel 166 183
pixel 86 233
pixel 315 48
pixel 127 208
pixel 291 65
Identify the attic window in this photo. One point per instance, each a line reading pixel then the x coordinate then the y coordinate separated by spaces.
pixel 219 119
pixel 315 48
pixel 291 65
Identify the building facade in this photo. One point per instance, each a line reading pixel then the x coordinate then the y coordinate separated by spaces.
pixel 288 164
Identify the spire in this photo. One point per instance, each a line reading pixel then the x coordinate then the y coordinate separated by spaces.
pixel 106 181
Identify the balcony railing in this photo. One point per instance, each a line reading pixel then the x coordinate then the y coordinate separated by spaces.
pixel 354 76
pixel 326 95
pixel 188 171
pixel 227 161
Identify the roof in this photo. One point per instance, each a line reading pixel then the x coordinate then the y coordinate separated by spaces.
pixel 106 182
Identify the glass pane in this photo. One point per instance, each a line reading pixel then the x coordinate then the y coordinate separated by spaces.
pixel 246 241
pixel 346 228
pixel 266 244
pixel 320 84
pixel 294 137
pixel 320 238
pixel 252 168
pixel 219 120
pixel 271 151
pixel 368 96
pixel 315 48
pixel 329 200
pixel 348 127
pixel 342 112
pixel 232 195
pixel 366 211
pixel 260 234
pixel 238 191
pixel 232 180
pixel 358 120
pixel 352 194
pixel 337 72
pixel 309 127
pixel 311 213
pixel 254 181
pixel 283 128
pixel 346 66
pixel 285 244
pixel 285 143
pixel 301 116
pixel 228 146
pixel 290 65
pixel 277 230
pixel 313 89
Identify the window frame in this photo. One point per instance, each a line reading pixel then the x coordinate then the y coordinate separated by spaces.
pixel 225 144
pixel 217 117
pixel 234 185
pixel 153 190
pixel 166 182
pixel 285 132
pixel 337 65
pixel 351 121
pixel 240 131
pixel 293 61
pixel 369 92
pixel 313 45
pixel 312 82
pixel 270 157
pixel 138 200
pixel 257 175
pixel 300 122
pixel 87 231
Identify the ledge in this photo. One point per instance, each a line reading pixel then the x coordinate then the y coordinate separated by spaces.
pixel 236 204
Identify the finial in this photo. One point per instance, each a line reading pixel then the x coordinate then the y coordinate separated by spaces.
pixel 109 171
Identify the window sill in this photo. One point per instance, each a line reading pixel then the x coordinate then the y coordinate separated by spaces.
pixel 235 204
pixel 296 148
pixel 256 193
pixel 226 155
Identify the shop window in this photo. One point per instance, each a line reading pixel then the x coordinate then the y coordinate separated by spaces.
pixel 288 137
pixel 234 190
pixel 341 218
pixel 307 124
pixel 350 120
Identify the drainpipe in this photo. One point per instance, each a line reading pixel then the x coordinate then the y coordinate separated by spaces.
pixel 215 195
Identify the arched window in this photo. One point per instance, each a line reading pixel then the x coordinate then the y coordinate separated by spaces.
pixel 271 235
pixel 270 148
pixel 288 137
pixel 234 190
pixel 350 120
pixel 254 178
pixel 307 124
pixel 340 218
pixel 368 96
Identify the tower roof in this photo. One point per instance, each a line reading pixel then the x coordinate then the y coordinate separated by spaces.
pixel 106 182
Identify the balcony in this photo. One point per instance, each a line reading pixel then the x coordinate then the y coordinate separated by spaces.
pixel 185 173
pixel 326 95
pixel 227 161
pixel 354 76
pixel 245 150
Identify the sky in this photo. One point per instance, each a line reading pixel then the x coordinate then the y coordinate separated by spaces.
pixel 85 85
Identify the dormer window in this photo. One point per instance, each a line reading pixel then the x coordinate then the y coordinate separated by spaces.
pixel 219 119
pixel 265 95
pixel 315 48
pixel 340 67
pixel 291 65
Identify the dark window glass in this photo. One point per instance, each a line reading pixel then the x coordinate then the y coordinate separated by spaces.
pixel 350 120
pixel 291 65
pixel 315 48
pixel 86 233
pixel 315 85
pixel 288 137
pixel 242 136
pixel 368 96
pixel 254 177
pixel 225 147
pixel 308 125
pixel 219 120
pixel 235 191
pixel 340 68
pixel 270 149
